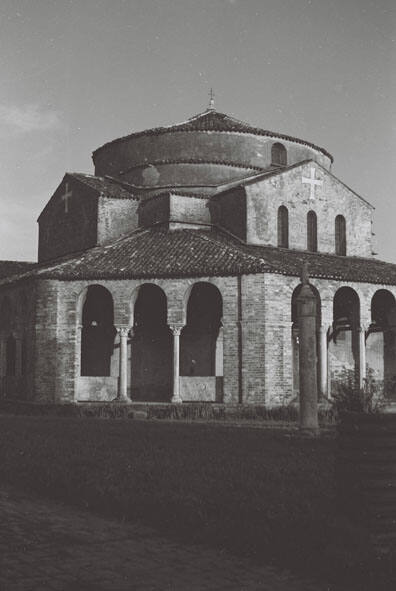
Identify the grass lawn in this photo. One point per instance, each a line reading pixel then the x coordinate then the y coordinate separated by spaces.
pixel 268 494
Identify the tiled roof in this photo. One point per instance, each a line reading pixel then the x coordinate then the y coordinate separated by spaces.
pixel 156 252
pixel 212 120
pixel 108 187
pixel 8 268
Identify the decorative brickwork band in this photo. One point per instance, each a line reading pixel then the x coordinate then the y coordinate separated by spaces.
pixel 123 331
pixel 176 331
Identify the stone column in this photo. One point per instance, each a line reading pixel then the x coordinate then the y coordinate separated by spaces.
pixel 306 306
pixel 323 360
pixel 176 330
pixel 362 356
pixel 123 331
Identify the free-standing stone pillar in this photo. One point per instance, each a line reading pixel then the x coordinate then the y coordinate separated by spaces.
pixel 323 360
pixel 362 356
pixel 306 307
pixel 176 330
pixel 123 331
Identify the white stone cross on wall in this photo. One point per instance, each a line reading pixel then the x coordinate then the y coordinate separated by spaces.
pixel 66 197
pixel 312 181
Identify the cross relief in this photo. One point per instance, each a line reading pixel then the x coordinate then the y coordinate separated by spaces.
pixel 312 182
pixel 65 198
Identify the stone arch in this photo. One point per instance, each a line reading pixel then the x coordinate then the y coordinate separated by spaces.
pixel 344 338
pixel 340 235
pixel 98 332
pixel 312 231
pixel 201 349
pixel 381 344
pixel 295 334
pixel 283 227
pixel 278 154
pixel 6 314
pixel 151 345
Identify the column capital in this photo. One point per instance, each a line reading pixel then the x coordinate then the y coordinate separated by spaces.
pixel 123 329
pixel 176 329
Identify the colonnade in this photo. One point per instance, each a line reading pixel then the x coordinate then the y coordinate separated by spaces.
pixel 124 331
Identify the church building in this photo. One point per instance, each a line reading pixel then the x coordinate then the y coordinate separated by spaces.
pixel 171 275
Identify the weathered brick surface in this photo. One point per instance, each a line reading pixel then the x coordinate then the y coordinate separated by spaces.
pixel 331 199
pixel 17 318
pixel 62 232
pixel 258 360
pixel 115 218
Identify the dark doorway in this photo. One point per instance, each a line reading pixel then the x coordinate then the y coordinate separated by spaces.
pixel 199 337
pixel 98 332
pixel 381 344
pixel 151 353
pixel 344 338
pixel 11 356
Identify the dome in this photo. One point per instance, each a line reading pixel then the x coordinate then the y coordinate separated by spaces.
pixel 207 150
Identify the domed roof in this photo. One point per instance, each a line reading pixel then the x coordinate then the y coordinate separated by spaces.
pixel 212 120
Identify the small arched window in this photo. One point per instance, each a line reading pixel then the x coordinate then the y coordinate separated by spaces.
pixel 312 231
pixel 283 227
pixel 340 235
pixel 278 154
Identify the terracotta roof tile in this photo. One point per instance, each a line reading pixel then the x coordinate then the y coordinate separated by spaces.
pixel 108 187
pixel 156 252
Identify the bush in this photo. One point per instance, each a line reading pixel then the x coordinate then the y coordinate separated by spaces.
pixel 349 397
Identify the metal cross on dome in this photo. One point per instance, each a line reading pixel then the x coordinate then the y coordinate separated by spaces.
pixel 311 181
pixel 211 99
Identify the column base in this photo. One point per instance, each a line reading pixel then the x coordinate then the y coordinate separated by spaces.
pixel 176 400
pixel 122 400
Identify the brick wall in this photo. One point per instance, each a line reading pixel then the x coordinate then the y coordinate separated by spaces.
pixel 167 151
pixel 228 210
pixel 18 322
pixel 258 365
pixel 331 199
pixel 116 217
pixel 62 232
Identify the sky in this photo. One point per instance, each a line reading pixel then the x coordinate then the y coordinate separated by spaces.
pixel 77 73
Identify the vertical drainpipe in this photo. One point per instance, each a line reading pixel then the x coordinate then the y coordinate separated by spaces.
pixel 240 399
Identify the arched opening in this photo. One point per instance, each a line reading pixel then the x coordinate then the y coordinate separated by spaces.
pixel 11 356
pixel 23 355
pixel 151 353
pixel 278 154
pixel 98 332
pixel 340 235
pixel 295 336
pixel 283 227
pixel 6 314
pixel 201 350
pixel 381 344
pixel 344 339
pixel 312 231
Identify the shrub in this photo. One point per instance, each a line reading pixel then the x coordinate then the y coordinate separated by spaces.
pixel 349 397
